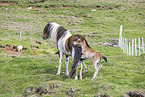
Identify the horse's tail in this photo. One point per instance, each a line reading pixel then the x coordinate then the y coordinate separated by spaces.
pixel 103 57
pixel 77 57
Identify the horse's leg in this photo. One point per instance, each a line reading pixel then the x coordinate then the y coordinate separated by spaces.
pixel 81 70
pixel 60 62
pixel 83 61
pixel 76 76
pixel 67 62
pixel 96 69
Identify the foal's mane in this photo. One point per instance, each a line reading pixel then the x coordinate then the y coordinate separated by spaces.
pixel 87 43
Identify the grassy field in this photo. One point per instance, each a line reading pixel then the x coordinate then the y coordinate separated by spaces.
pixel 33 73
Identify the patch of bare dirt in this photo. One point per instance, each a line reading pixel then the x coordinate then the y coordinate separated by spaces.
pixel 8 4
pixel 13 50
pixel 4 4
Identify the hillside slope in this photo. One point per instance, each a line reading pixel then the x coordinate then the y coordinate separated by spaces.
pixel 34 71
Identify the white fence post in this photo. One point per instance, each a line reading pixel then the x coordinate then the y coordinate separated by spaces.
pixel 139 46
pixel 143 45
pixel 129 49
pixel 125 46
pixel 120 37
pixel 135 48
pixel 132 46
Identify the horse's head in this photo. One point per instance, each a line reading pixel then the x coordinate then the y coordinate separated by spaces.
pixel 46 31
pixel 45 36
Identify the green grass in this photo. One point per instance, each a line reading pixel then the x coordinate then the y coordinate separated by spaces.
pixel 38 67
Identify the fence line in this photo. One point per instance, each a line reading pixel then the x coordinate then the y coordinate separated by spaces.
pixel 131 47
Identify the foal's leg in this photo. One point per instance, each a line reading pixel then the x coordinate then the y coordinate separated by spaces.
pixel 99 66
pixel 81 70
pixel 67 62
pixel 79 65
pixel 96 69
pixel 60 62
pixel 83 61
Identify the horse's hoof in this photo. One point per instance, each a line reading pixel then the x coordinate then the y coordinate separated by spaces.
pixel 76 78
pixel 92 79
pixel 67 74
pixel 58 74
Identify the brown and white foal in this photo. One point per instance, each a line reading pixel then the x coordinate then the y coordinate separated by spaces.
pixel 88 53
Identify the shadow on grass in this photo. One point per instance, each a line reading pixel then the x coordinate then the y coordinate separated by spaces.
pixel 51 74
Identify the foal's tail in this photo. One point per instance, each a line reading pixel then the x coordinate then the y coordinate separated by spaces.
pixel 103 57
pixel 77 57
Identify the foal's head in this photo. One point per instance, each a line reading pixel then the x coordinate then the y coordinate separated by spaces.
pixel 80 41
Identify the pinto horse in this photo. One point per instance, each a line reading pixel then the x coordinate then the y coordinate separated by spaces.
pixel 88 53
pixel 64 40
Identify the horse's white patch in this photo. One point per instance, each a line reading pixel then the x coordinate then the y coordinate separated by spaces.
pixel 62 41
pixel 53 31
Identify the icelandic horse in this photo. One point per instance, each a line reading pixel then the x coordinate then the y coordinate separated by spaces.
pixel 64 40
pixel 88 53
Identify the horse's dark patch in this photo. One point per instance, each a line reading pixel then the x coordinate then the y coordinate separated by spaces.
pixel 60 31
pixel 73 38
pixel 69 44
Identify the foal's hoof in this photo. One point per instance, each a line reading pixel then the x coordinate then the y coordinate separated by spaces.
pixel 79 67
